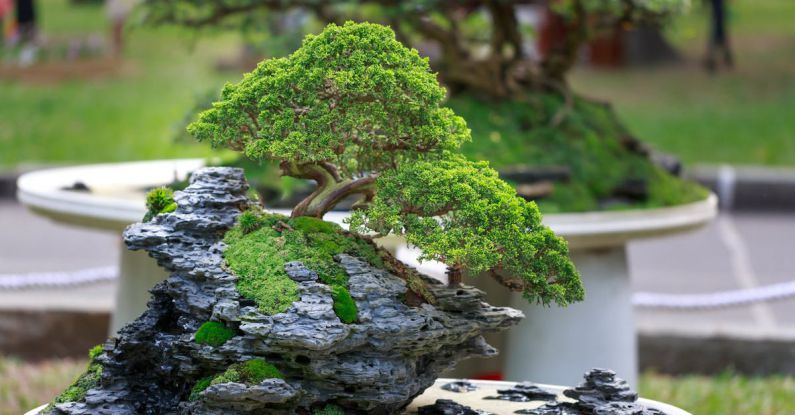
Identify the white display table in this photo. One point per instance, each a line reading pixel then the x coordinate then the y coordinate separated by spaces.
pixel 474 399
pixel 552 343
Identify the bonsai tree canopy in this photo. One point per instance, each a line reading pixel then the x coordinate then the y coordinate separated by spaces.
pixel 360 114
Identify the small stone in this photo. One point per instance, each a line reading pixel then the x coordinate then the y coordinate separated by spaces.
pixel 449 407
pixel 298 272
pixel 524 392
pixel 460 386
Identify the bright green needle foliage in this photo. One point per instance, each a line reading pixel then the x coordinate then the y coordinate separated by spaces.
pixel 258 259
pixel 250 372
pixel 329 410
pixel 351 101
pixel 460 213
pixel 348 96
pixel 90 379
pixel 160 200
pixel 213 333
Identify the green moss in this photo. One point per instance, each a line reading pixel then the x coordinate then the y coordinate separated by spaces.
pixel 258 259
pixel 344 306
pixel 213 333
pixel 250 372
pixel 88 380
pixel 329 410
pixel 314 225
pixel 199 387
pixel 589 140
pixel 159 200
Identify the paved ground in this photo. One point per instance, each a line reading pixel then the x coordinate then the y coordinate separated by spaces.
pixel 736 251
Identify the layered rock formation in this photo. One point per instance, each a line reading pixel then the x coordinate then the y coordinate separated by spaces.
pixel 376 365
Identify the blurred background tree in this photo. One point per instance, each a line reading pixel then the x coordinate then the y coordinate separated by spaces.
pixel 568 152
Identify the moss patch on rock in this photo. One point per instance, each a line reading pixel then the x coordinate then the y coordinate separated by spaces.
pixel 199 387
pixel 257 256
pixel 584 136
pixel 250 372
pixel 77 390
pixel 213 333
pixel 159 200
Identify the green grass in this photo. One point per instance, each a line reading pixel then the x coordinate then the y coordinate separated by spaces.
pixel 726 394
pixel 24 386
pixel 738 117
pixel 128 115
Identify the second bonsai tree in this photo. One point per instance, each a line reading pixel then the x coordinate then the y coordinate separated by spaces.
pixel 361 115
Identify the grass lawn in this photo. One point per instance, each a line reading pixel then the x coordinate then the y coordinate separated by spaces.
pixel 129 114
pixel 24 386
pixel 744 116
pixel 740 117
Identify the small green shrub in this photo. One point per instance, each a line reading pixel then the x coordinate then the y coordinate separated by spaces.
pixel 329 410
pixel 213 333
pixel 250 372
pixel 160 200
pixel 344 306
pixel 199 387
pixel 249 221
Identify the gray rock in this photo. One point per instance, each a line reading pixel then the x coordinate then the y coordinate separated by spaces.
pixel 298 272
pixel 376 365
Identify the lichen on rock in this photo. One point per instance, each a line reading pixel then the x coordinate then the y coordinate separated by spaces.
pixel 375 364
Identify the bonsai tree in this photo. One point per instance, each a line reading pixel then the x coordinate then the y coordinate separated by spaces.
pixel 264 313
pixel 360 114
pixel 521 108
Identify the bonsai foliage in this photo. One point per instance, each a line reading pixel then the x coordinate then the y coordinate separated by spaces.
pixel 461 213
pixel 350 101
pixel 360 114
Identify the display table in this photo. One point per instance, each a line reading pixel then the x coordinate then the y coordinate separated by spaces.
pixel 474 399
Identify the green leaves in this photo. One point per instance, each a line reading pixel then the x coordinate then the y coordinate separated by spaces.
pixel 352 96
pixel 460 213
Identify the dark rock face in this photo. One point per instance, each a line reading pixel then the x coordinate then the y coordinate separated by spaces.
pixel 377 365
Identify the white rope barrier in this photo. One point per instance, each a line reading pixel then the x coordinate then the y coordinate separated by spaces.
pixel 57 279
pixel 722 299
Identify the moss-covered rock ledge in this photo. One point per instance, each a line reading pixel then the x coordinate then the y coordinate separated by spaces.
pixel 204 346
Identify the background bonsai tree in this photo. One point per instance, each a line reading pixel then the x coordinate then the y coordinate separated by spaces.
pixel 360 114
pixel 521 108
